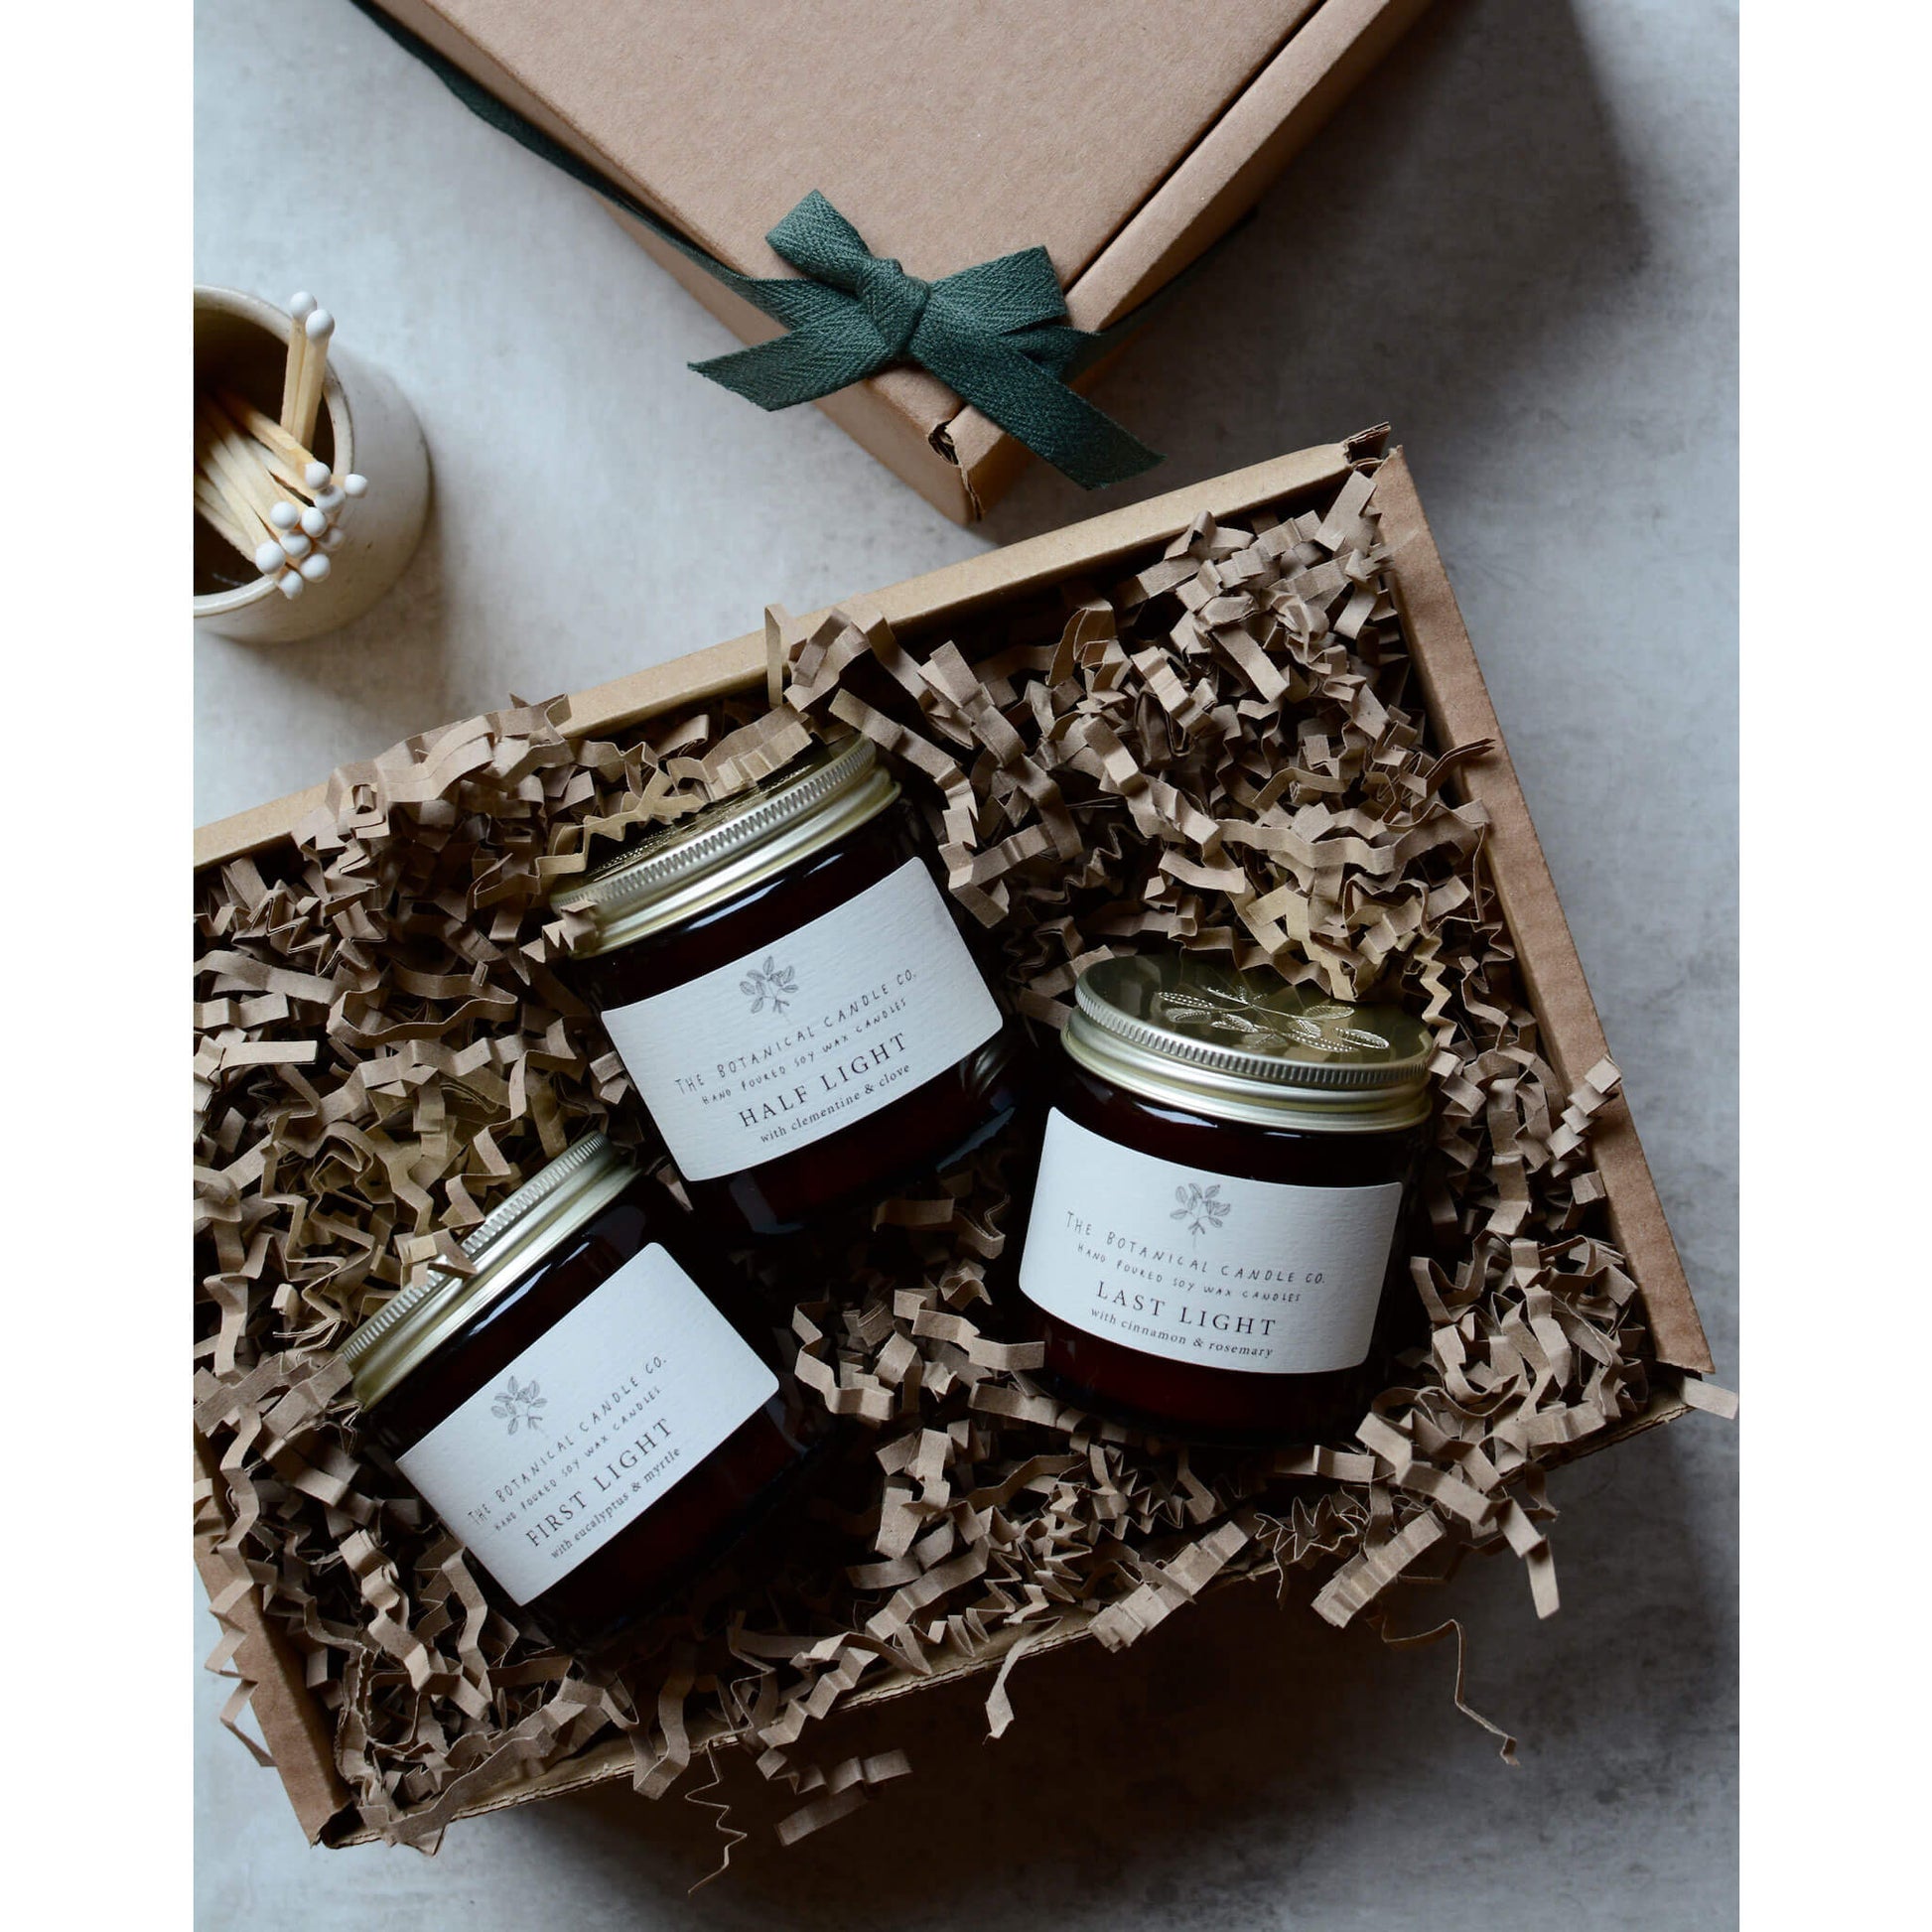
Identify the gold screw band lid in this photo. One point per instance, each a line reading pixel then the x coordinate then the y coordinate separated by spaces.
pixel 517 1233
pixel 681 870
pixel 1248 1046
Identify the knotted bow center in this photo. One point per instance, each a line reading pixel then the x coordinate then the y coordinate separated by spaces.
pixel 994 333
pixel 894 301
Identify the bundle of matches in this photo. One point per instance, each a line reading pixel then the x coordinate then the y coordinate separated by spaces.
pixel 257 483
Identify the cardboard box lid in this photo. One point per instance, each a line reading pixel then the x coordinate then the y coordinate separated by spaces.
pixel 1124 140
pixel 947 135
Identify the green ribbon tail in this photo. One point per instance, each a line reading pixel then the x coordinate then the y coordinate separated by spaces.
pixel 798 367
pixel 1033 404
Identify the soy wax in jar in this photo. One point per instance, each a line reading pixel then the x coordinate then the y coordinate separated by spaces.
pixel 795 996
pixel 1215 1230
pixel 594 1412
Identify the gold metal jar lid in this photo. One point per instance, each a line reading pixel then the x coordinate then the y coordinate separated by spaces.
pixel 547 1209
pixel 1248 1046
pixel 685 869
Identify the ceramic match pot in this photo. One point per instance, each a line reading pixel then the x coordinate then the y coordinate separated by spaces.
pixel 242 344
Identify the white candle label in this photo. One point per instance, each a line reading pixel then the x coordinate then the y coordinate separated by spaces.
pixel 1201 1267
pixel 572 1442
pixel 811 1034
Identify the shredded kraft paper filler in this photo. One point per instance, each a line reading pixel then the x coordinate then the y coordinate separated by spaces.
pixel 1221 752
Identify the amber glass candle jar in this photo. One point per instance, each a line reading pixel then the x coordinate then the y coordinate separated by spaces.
pixel 794 996
pixel 590 1422
pixel 1221 1193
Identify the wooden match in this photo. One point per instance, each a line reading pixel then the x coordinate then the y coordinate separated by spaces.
pixel 302 305
pixel 226 449
pixel 317 327
pixel 272 436
pixel 213 511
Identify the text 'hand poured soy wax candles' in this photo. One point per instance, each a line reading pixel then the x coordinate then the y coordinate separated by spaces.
pixel 1221 1194
pixel 794 996
pixel 594 1416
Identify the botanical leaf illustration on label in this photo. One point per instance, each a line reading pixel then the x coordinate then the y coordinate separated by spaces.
pixel 517 1404
pixel 1201 1207
pixel 1263 1028
pixel 770 985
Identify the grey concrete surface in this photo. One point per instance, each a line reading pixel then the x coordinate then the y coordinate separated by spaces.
pixel 1517 243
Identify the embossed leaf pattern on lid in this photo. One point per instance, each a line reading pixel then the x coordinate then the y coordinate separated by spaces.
pixel 1258 1024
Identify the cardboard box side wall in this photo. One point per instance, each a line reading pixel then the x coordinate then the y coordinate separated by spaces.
pixel 938 597
pixel 1192 191
pixel 1461 711
pixel 614 1758
pixel 295 1733
pixel 1546 954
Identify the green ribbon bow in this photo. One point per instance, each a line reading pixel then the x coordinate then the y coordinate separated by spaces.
pixel 996 334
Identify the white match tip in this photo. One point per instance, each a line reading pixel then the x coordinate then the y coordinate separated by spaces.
pixel 320 325
pixel 301 303
pixel 315 568
pixel 331 539
pixel 329 501
pixel 354 485
pixel 315 475
pixel 269 556
pixel 314 522
pixel 294 544
pixel 290 584
pixel 284 517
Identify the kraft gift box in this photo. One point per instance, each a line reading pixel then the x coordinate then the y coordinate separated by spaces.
pixel 966 597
